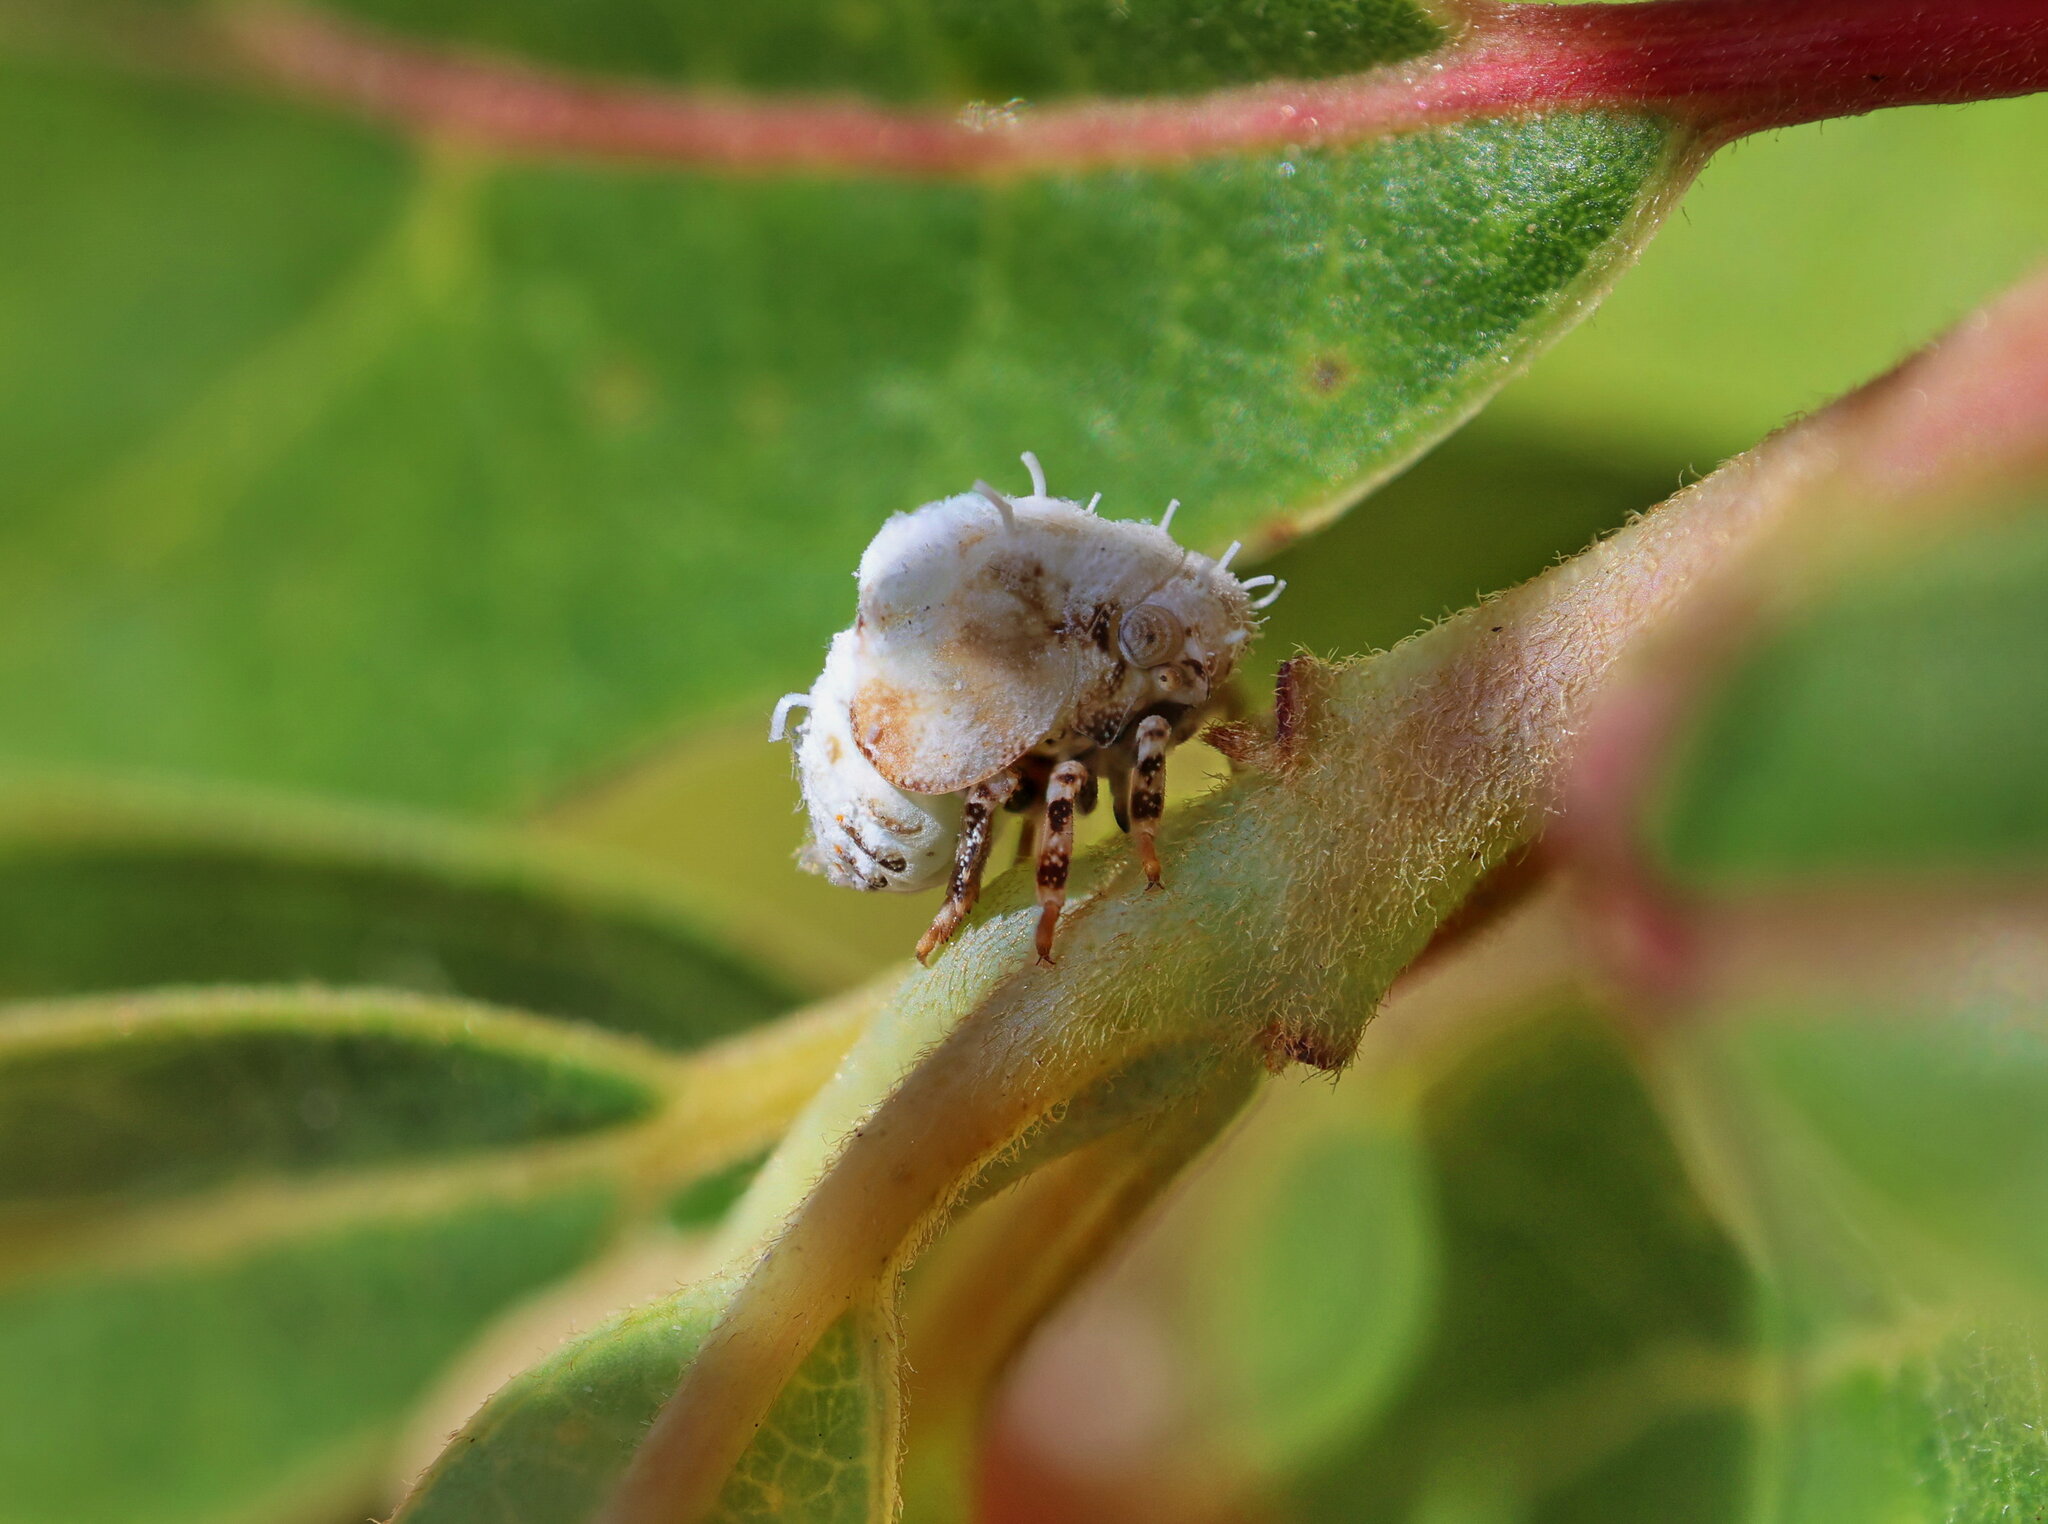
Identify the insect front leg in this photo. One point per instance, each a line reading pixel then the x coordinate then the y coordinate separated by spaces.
pixel 977 825
pixel 1148 792
pixel 1070 780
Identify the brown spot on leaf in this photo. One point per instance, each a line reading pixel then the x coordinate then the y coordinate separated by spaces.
pixel 1329 374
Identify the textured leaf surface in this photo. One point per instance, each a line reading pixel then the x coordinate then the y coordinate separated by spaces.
pixel 448 478
pixel 550 1448
pixel 943 49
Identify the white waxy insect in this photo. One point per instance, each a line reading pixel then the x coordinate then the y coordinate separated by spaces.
pixel 1009 653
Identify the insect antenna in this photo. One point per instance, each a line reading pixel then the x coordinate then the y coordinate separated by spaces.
pixel 778 727
pixel 1094 502
pixel 1166 518
pixel 1037 473
pixel 998 502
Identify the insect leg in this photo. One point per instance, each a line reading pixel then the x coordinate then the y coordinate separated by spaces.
pixel 977 824
pixel 1069 781
pixel 1148 791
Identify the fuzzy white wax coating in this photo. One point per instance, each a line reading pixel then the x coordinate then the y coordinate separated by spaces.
pixel 990 629
pixel 983 635
pixel 865 833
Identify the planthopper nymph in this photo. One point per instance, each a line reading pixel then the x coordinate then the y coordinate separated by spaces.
pixel 1009 653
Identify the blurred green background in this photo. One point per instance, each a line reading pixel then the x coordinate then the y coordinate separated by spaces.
pixel 1504 1223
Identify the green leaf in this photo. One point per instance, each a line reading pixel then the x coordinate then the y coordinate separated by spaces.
pixel 115 1117
pixel 243 1233
pixel 1949 1431
pixel 1884 1163
pixel 1807 261
pixel 1337 1218
pixel 945 50
pixel 550 1447
pixel 1892 725
pixel 1584 1359
pixel 703 1203
pixel 261 1381
pixel 456 477
pixel 105 889
pixel 1841 748
pixel 1926 1123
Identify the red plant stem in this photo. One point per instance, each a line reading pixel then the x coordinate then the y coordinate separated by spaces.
pixel 1725 66
pixel 1745 65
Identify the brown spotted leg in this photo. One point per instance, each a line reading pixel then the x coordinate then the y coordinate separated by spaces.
pixel 1056 849
pixel 977 825
pixel 1148 791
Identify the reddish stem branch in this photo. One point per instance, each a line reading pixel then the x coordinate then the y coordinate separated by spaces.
pixel 1741 66
pixel 1726 66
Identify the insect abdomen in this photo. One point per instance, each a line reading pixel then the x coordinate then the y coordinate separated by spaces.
pixel 865 832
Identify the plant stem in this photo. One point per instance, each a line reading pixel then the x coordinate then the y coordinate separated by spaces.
pixel 1740 66
pixel 1726 67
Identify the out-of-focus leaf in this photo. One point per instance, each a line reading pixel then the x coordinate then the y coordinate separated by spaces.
pixel 1892 725
pixel 705 1202
pixel 1806 260
pixel 1815 810
pixel 448 478
pixel 111 890
pixel 1928 1122
pixel 1885 1165
pixel 105 1114
pixel 243 1232
pixel 1336 1217
pixel 1859 792
pixel 1589 1333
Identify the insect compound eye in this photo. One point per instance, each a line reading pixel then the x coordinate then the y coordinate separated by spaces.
pixel 1150 635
